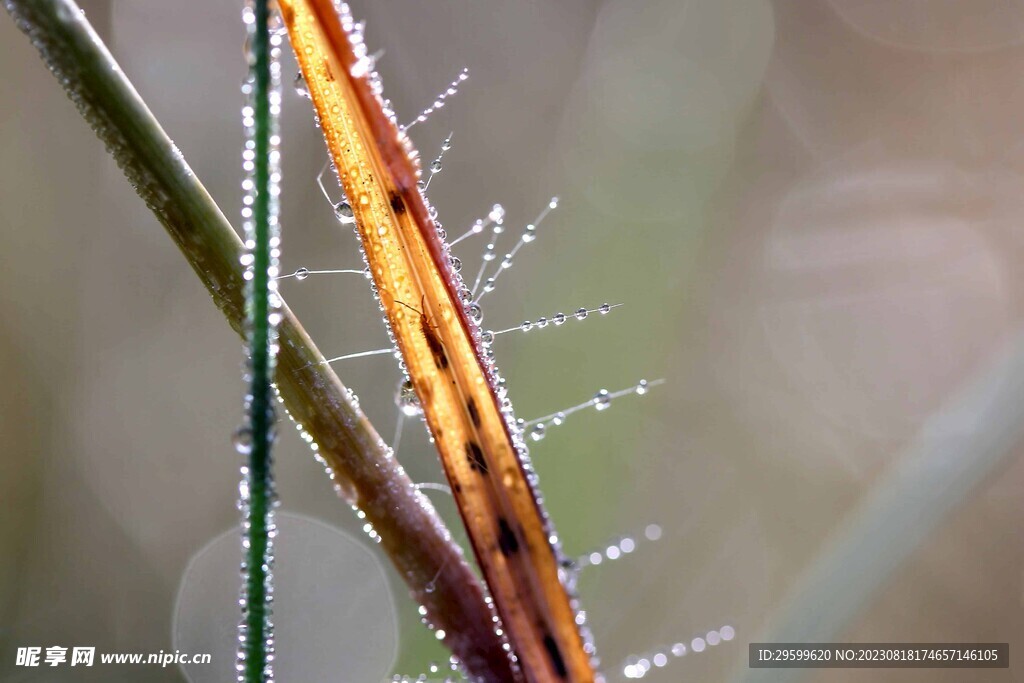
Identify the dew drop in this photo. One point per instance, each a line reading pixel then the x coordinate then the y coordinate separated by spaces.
pixel 581 313
pixel 435 166
pixel 526 326
pixel 475 312
pixel 605 308
pixel 542 322
pixel 456 264
pixel 302 273
pixel 641 388
pixel 300 85
pixel 538 431
pixel 558 318
pixel 407 400
pixel 242 440
pixel 558 420
pixel 602 400
pixel 343 212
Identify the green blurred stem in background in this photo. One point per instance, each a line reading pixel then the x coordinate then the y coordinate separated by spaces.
pixel 410 531
pixel 958 448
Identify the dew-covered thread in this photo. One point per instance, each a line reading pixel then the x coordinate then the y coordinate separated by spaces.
pixel 601 401
pixel 529 235
pixel 638 666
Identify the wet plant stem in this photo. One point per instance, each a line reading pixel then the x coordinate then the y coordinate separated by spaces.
pixel 255 608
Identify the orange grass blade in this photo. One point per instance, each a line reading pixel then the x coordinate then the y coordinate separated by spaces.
pixel 507 528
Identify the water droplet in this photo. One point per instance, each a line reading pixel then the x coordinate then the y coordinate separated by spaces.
pixel 487 337
pixel 456 264
pixel 300 85
pixel 542 322
pixel 581 313
pixel 242 440
pixel 435 166
pixel 641 388
pixel 538 431
pixel 679 649
pixel 558 420
pixel 605 308
pixel 302 273
pixel 602 400
pixel 407 400
pixel 343 212
pixel 475 312
pixel 558 318
pixel 526 326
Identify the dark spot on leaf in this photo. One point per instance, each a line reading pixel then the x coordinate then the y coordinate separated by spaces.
pixel 397 205
pixel 556 656
pixel 476 457
pixel 474 414
pixel 506 538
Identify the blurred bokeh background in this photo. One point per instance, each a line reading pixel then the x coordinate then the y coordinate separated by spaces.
pixel 810 209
